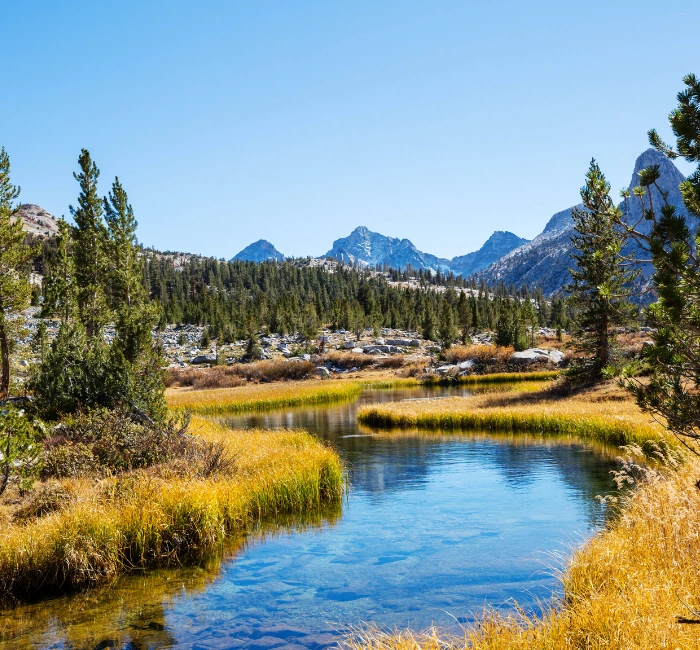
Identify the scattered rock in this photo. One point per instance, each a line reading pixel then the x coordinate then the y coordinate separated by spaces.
pixel 204 358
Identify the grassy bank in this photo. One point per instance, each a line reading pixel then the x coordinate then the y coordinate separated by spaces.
pixel 159 515
pixel 623 590
pixel 602 415
pixel 218 401
pixel 494 378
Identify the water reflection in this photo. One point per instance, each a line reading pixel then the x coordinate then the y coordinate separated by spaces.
pixel 434 527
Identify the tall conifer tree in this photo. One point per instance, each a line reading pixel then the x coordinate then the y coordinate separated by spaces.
pixel 90 241
pixel 15 290
pixel 600 283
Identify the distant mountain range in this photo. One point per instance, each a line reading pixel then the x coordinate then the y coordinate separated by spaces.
pixel 543 262
pixel 362 247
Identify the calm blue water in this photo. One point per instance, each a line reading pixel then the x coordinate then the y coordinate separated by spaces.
pixel 434 527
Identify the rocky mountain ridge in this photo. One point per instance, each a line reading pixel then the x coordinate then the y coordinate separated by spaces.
pixel 545 261
pixel 366 248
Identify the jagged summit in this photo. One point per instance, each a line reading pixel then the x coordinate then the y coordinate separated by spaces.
pixel 545 261
pixel 259 251
pixel 366 248
pixel 495 247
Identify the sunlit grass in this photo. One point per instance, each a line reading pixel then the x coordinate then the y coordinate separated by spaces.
pixel 495 378
pixel 148 518
pixel 623 590
pixel 611 421
pixel 218 401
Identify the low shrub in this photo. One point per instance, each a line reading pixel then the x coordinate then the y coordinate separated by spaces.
pixel 104 441
pixel 349 360
pixel 479 353
pixel 240 373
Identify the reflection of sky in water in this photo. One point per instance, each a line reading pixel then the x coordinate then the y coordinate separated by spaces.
pixel 434 527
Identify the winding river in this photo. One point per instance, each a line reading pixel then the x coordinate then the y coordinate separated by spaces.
pixel 434 527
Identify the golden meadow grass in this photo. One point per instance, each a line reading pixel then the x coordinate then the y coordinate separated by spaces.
pixel 263 396
pixel 146 519
pixel 623 590
pixel 605 417
pixel 495 378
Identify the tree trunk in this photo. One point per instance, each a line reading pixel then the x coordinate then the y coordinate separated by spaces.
pixel 5 354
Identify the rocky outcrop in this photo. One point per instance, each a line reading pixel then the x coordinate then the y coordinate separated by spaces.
pixel 37 221
pixel 260 251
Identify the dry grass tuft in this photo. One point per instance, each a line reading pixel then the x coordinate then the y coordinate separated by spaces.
pixel 480 353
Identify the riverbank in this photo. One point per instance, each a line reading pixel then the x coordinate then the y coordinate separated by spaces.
pixel 162 515
pixel 603 414
pixel 219 401
pixel 625 589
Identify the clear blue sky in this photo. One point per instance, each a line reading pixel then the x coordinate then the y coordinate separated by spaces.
pixel 439 121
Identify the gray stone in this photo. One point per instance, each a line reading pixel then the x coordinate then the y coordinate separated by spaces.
pixel 322 371
pixel 444 370
pixel 349 345
pixel 556 357
pixel 414 343
pixel 466 365
pixel 204 358
pixel 358 350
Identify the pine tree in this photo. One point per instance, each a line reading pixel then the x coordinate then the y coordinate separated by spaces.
pixel 672 391
pixel 446 331
pixel 90 243
pixel 600 283
pixel 428 322
pixel 15 289
pixel 136 360
pixel 464 315
pixel 60 288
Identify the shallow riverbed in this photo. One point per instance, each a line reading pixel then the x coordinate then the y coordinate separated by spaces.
pixel 434 527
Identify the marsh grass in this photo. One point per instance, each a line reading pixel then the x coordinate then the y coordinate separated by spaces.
pixel 600 416
pixel 494 378
pixel 153 516
pixel 623 590
pixel 219 401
